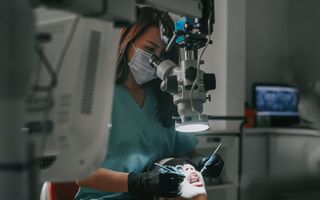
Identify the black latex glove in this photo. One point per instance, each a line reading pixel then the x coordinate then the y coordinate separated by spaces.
pixel 155 183
pixel 212 166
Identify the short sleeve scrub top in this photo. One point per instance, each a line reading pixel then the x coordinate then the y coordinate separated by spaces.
pixel 136 137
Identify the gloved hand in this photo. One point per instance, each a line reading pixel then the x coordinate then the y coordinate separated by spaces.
pixel 212 166
pixel 155 183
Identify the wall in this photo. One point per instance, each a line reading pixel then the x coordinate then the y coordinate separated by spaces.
pixel 304 54
pixel 226 58
pixel 266 42
pixel 281 36
pixel 304 31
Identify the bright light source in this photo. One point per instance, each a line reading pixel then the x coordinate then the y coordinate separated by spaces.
pixel 188 128
pixel 189 124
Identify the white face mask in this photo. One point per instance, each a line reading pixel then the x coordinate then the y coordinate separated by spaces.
pixel 140 67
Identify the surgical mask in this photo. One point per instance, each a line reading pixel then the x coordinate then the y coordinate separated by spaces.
pixel 140 67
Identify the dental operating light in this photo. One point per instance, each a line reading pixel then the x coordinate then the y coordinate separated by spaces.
pixel 190 128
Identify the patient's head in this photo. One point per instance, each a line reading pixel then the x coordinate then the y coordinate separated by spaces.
pixel 193 186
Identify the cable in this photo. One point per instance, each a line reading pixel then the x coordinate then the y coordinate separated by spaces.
pixel 66 44
pixel 61 57
pixel 53 75
pixel 240 154
pixel 48 89
pixel 36 82
pixel 44 138
pixel 54 78
pixel 230 117
pixel 198 65
pixel 43 58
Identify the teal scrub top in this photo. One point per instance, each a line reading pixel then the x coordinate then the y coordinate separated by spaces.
pixel 136 137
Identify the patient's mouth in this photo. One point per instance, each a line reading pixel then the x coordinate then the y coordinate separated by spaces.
pixel 194 180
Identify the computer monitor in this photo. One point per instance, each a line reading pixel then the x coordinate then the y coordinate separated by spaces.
pixel 278 103
pixel 81 103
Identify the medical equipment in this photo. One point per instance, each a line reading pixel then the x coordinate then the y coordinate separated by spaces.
pixel 171 169
pixel 210 159
pixel 186 82
pixel 80 103
pixel 276 105
pixel 120 12
pixel 19 63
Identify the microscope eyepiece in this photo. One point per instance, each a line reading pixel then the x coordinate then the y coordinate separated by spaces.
pixel 155 61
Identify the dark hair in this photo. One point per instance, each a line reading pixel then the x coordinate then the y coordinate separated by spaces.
pixel 148 17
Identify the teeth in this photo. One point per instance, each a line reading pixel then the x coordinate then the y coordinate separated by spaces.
pixel 193 178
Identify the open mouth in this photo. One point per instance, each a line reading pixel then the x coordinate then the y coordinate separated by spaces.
pixel 194 179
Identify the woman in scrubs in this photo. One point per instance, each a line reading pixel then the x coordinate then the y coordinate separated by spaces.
pixel 142 125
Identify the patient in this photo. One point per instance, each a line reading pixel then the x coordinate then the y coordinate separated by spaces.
pixel 193 186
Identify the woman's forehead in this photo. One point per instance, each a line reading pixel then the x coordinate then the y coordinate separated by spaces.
pixel 152 36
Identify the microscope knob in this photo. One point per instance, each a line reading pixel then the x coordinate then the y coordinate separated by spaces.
pixel 172 84
pixel 208 97
pixel 191 73
pixel 209 81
